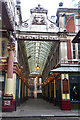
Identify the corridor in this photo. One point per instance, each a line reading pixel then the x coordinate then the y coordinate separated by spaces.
pixel 39 58
pixel 39 108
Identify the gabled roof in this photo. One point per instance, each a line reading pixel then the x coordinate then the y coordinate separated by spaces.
pixel 77 38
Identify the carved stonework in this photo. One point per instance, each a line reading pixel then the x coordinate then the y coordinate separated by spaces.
pixel 38 9
pixel 38 20
pixel 11 46
pixel 25 24
pixel 52 26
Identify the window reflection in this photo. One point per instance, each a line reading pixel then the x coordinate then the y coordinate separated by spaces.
pixel 74 89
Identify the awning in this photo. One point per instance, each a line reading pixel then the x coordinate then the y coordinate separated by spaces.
pixel 77 38
pixel 65 70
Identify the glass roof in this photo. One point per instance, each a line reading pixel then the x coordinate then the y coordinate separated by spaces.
pixel 37 52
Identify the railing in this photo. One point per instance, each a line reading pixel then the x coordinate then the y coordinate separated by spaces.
pixel 3 59
pixel 72 61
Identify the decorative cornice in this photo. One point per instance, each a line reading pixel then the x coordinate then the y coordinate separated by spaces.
pixel 11 47
pixel 38 9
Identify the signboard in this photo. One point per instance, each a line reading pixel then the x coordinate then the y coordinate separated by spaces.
pixel 7 102
pixel 26 35
pixel 38 37
pixel 65 86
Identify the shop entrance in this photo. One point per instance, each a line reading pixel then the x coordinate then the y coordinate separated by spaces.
pixel 75 91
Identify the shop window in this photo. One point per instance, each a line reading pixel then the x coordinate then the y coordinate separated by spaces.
pixel 3 49
pixel 38 87
pixel 78 50
pixel 74 89
pixel 1 85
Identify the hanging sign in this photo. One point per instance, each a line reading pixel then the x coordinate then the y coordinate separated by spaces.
pixel 65 86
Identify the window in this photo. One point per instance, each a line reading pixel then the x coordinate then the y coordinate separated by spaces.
pixel 77 23
pixel 74 84
pixel 78 50
pixel 74 51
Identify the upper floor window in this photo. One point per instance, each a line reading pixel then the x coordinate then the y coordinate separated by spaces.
pixel 78 50
pixel 74 51
pixel 77 23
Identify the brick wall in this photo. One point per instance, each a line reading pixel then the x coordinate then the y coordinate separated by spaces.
pixel 70 25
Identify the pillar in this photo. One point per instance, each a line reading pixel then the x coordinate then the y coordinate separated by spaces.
pixel 47 92
pixel 19 91
pixel 54 93
pixel 28 91
pixel 22 90
pixel 65 92
pixel 10 83
pixel 69 52
pixel 50 91
pixel 35 87
pixel 25 91
pixel 63 52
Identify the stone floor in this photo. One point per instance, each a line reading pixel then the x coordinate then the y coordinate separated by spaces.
pixel 39 108
pixel 49 118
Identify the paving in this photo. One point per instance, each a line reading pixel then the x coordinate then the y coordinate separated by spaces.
pixel 55 118
pixel 39 109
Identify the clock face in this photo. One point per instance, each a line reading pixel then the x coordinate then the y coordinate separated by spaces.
pixel 38 20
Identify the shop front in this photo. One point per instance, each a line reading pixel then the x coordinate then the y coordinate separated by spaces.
pixel 75 90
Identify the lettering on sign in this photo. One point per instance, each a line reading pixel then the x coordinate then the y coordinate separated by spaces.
pixel 38 37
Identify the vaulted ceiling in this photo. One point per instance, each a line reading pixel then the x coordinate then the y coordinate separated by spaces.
pixel 37 53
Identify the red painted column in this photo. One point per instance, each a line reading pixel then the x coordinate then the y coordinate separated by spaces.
pixel 8 99
pixel 66 105
pixel 69 54
pixel 10 65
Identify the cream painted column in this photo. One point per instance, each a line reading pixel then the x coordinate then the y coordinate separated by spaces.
pixel 10 86
pixel 22 88
pixel 63 52
pixel 54 93
pixel 61 22
pixel 35 87
pixel 16 52
pixel 40 82
pixel 19 87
